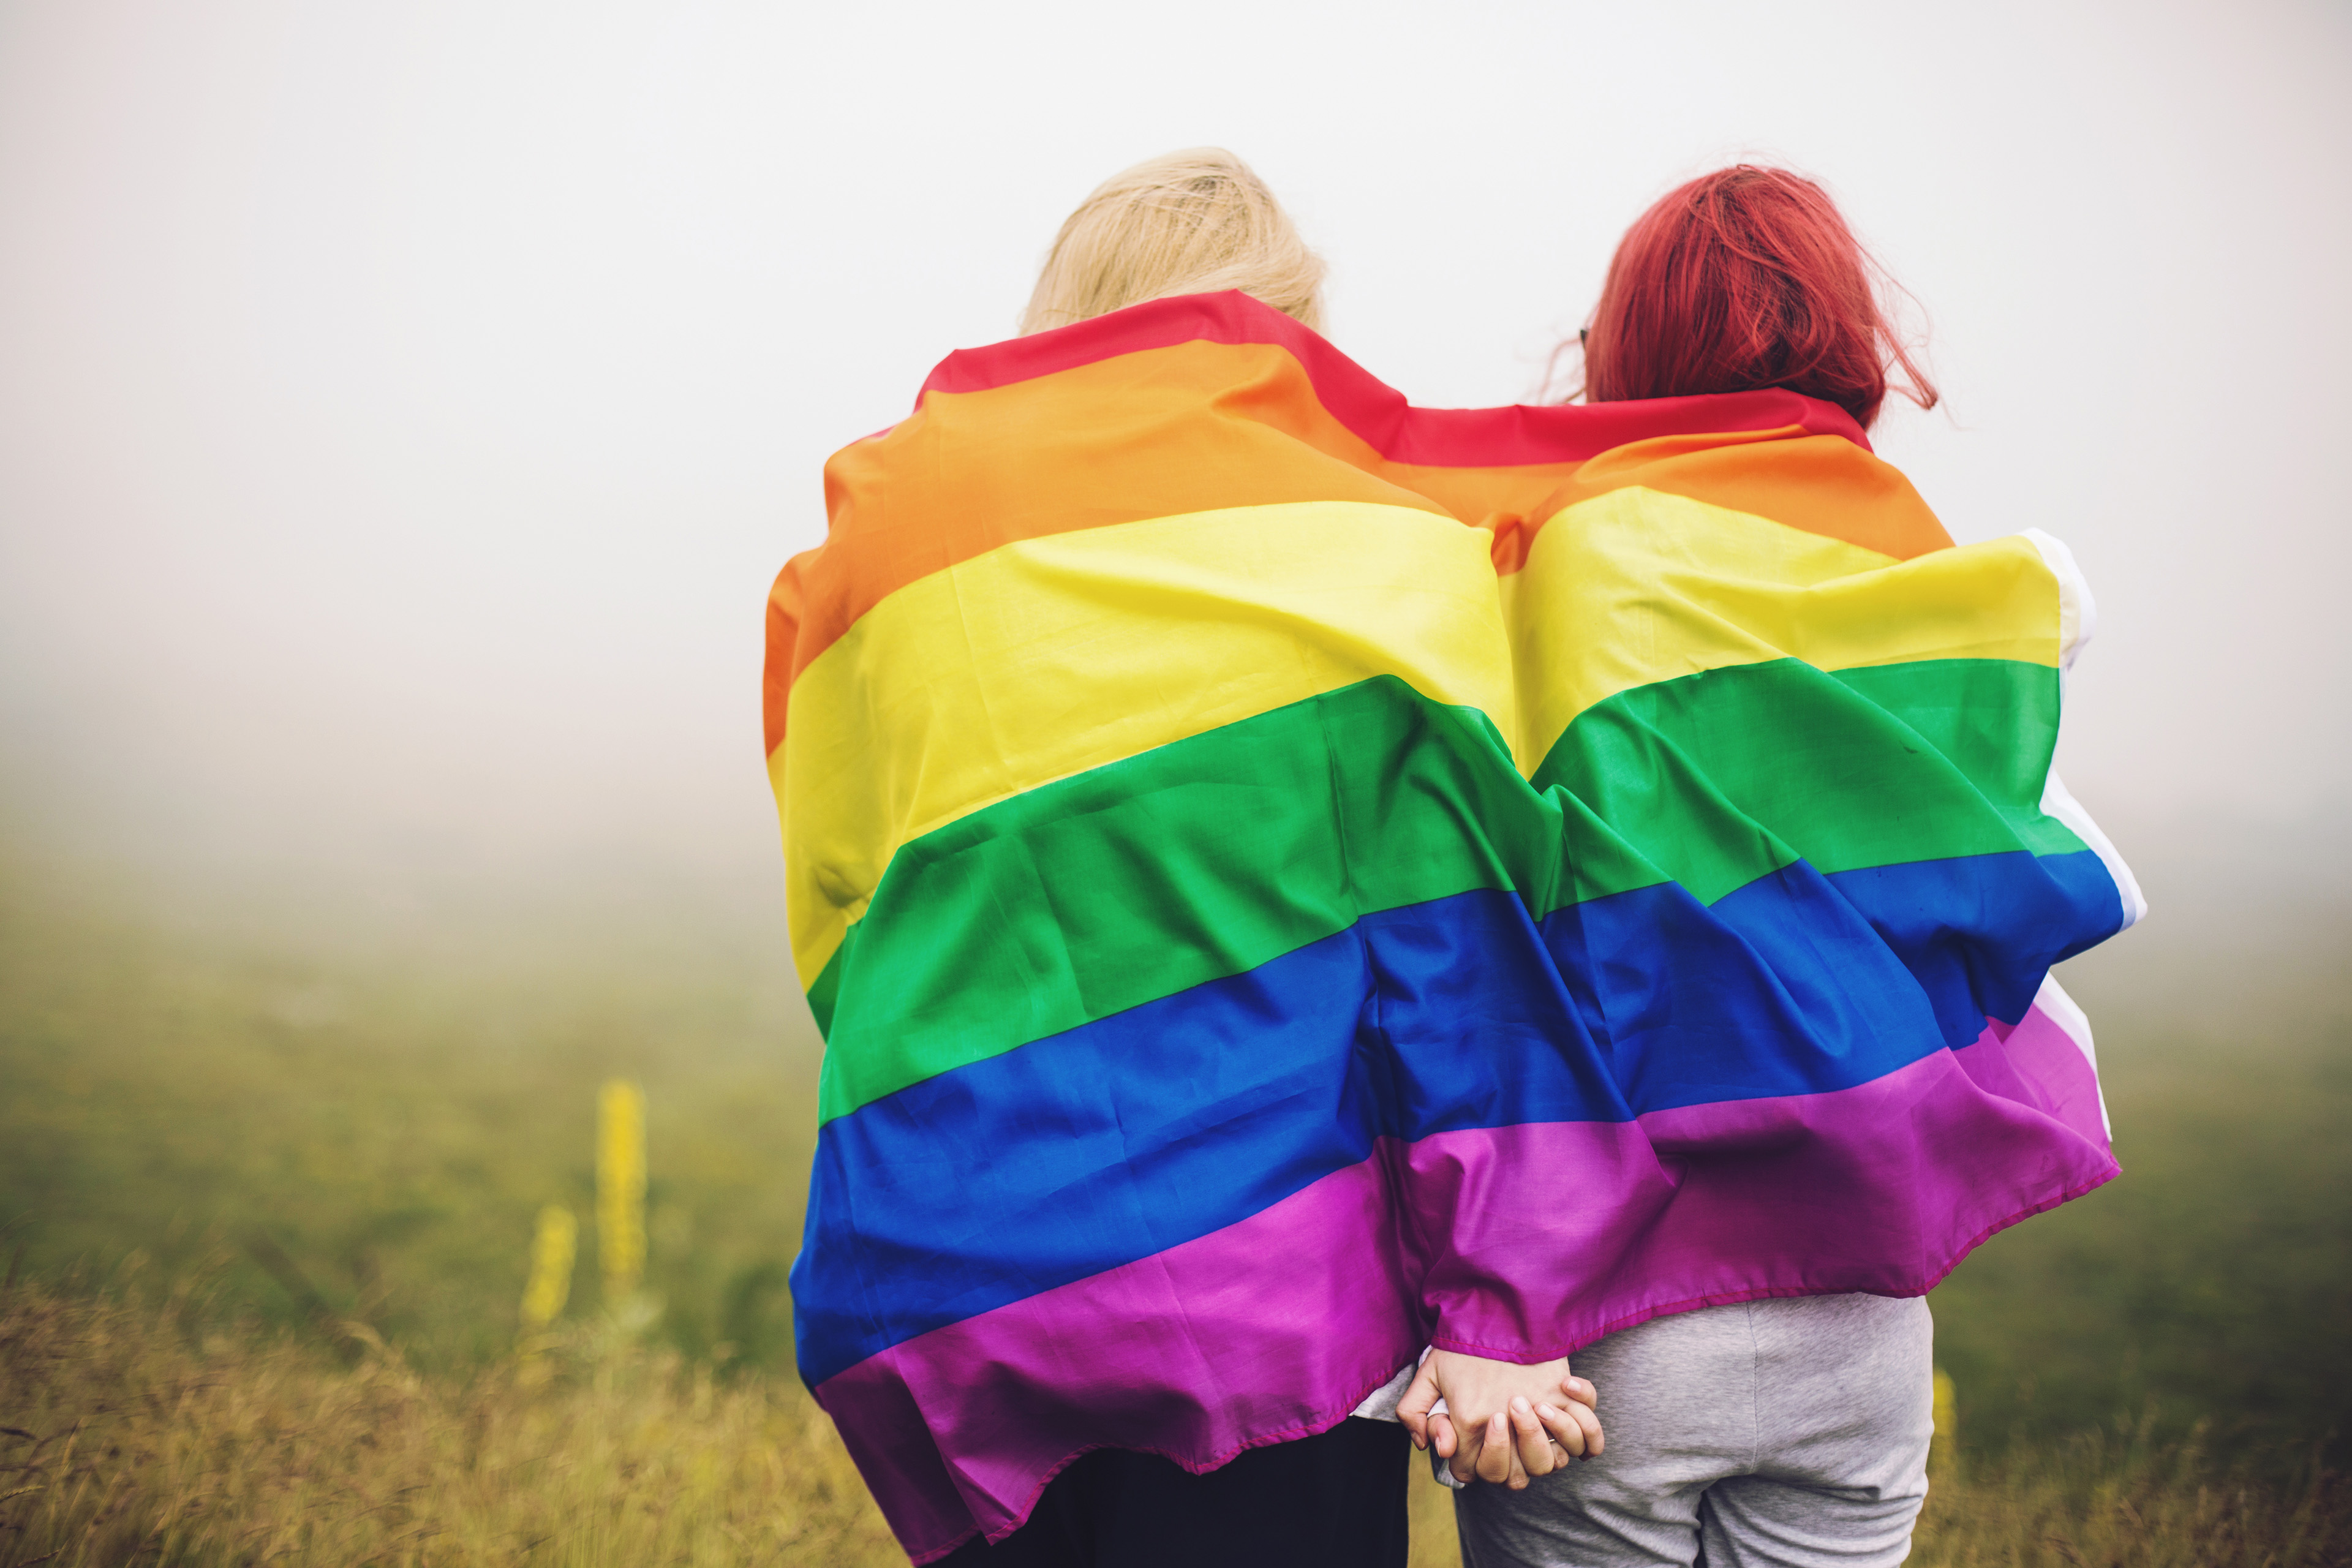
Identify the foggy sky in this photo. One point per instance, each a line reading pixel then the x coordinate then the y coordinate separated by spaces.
pixel 403 409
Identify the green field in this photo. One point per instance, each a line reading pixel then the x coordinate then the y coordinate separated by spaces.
pixel 281 1115
pixel 2212 1279
pixel 387 1101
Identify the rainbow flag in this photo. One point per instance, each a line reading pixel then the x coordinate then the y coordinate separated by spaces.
pixel 1286 878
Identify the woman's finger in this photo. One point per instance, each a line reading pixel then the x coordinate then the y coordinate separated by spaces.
pixel 1494 1452
pixel 1441 1434
pixel 1588 1425
pixel 1535 1444
pixel 1463 1437
pixel 1419 1397
pixel 1581 1390
pixel 1561 1427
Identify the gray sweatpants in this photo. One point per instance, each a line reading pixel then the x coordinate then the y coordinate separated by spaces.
pixel 1780 1432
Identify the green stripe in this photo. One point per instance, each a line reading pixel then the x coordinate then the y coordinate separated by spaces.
pixel 1723 776
pixel 1196 860
pixel 1211 856
pixel 827 989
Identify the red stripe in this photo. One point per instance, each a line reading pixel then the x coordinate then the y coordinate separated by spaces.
pixel 1435 438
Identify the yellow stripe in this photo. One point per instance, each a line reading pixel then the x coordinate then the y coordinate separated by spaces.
pixel 1638 585
pixel 1047 657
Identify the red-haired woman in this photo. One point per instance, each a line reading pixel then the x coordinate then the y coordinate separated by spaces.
pixel 1787 1430
pixel 1742 280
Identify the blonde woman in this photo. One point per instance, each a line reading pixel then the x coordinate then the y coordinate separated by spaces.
pixel 1196 222
pixel 1188 223
pixel 1036 1294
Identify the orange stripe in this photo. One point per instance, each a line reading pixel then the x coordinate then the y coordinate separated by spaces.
pixel 1206 426
pixel 1198 426
pixel 1487 498
pixel 1820 484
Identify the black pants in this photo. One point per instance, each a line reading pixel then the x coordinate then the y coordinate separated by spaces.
pixel 1337 1498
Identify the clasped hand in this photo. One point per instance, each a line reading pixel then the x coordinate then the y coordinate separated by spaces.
pixel 1502 1421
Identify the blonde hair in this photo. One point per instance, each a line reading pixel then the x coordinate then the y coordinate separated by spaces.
pixel 1189 223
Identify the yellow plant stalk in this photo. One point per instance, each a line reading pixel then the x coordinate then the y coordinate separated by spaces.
pixel 1944 1448
pixel 621 1187
pixel 552 1249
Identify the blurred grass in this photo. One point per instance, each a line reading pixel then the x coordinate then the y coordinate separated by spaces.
pixel 290 1125
pixel 389 1110
pixel 2214 1277
pixel 132 1430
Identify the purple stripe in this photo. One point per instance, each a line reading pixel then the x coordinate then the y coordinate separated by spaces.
pixel 1882 1187
pixel 1270 1329
pixel 883 1429
pixel 2038 1063
pixel 1530 1241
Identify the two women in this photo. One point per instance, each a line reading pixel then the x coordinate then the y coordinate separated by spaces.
pixel 1320 909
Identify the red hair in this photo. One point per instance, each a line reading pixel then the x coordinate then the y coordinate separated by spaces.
pixel 1743 278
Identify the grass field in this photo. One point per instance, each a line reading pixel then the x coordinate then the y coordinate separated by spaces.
pixel 270 1182
pixel 387 1104
pixel 140 1431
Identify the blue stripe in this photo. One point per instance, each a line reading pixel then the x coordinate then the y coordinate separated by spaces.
pixel 1145 1129
pixel 1978 934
